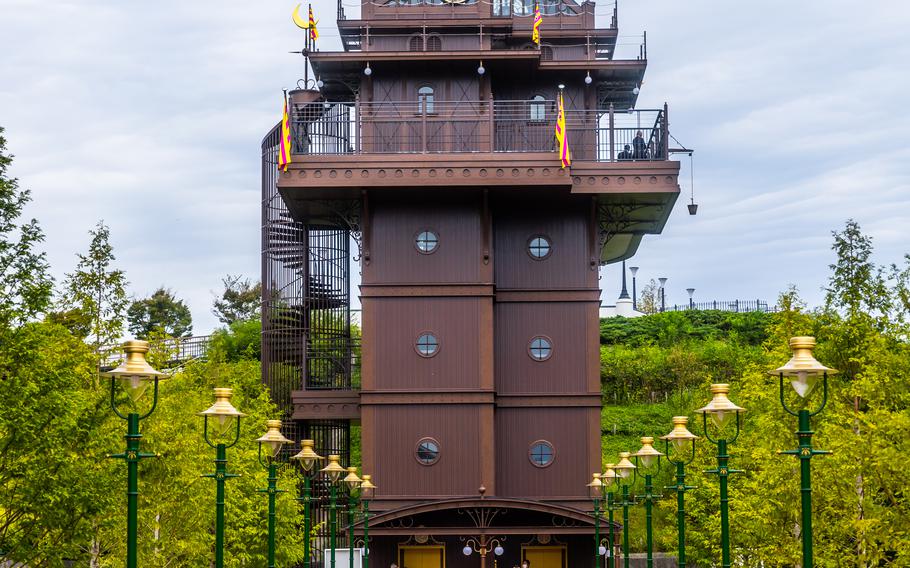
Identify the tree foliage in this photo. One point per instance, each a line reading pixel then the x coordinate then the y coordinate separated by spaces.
pixel 96 291
pixel 240 300
pixel 161 312
pixel 25 284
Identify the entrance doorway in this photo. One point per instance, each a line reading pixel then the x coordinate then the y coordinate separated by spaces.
pixel 544 556
pixel 421 556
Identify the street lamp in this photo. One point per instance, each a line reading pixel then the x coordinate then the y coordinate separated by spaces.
pixel 680 437
pixel 804 370
pixel 483 546
pixel 307 459
pixel 722 411
pixel 367 490
pixel 595 492
pixel 648 460
pixel 134 374
pixel 663 296
pixel 634 271
pixel 610 478
pixel 273 440
pixel 333 471
pixel 224 416
pixel 353 482
pixel 691 292
pixel 625 469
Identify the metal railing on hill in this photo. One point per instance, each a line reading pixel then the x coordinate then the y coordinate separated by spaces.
pixel 178 351
pixel 739 306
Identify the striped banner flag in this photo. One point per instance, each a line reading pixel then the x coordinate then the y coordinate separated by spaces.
pixel 284 147
pixel 565 157
pixel 538 19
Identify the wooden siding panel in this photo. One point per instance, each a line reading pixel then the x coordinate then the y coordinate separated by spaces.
pixel 393 360
pixel 565 224
pixel 397 429
pixel 571 365
pixel 567 429
pixel 394 259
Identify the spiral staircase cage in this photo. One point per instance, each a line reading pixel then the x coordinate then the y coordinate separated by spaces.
pixel 306 322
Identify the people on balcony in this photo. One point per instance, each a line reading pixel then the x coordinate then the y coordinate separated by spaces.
pixel 626 153
pixel 639 147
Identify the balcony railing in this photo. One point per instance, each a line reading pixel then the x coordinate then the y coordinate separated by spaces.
pixel 429 126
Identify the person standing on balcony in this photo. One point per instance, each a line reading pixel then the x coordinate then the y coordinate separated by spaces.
pixel 626 153
pixel 639 147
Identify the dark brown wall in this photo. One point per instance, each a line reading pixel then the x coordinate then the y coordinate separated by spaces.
pixel 565 223
pixel 566 324
pixel 392 360
pixel 574 434
pixel 394 226
pixel 398 428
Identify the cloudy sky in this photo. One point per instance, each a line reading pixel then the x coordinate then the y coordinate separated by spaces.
pixel 149 116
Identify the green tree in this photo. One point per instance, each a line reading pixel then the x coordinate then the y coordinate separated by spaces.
pixel 25 285
pixel 162 312
pixel 56 486
pixel 240 300
pixel 97 290
pixel 649 298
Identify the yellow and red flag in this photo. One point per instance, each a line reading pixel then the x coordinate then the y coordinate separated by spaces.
pixel 314 33
pixel 538 19
pixel 565 157
pixel 284 146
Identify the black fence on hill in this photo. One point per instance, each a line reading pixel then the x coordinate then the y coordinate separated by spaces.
pixel 725 306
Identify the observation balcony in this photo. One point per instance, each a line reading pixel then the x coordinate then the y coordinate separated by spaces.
pixel 340 149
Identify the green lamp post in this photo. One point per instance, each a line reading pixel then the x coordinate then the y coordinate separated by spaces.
pixel 804 370
pixel 595 492
pixel 722 411
pixel 134 374
pixel 353 482
pixel 367 490
pixel 625 469
pixel 647 460
pixel 225 418
pixel 680 437
pixel 333 472
pixel 610 478
pixel 307 458
pixel 273 440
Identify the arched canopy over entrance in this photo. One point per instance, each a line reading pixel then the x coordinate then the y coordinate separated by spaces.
pixel 478 516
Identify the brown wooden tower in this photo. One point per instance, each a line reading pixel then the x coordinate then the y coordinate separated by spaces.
pixel 426 151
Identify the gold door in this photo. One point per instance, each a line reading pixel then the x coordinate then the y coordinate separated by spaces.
pixel 421 556
pixel 544 556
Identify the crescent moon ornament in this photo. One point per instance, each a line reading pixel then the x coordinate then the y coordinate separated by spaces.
pixel 300 22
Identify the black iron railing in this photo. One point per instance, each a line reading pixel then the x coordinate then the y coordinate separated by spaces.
pixel 176 351
pixel 434 127
pixel 726 306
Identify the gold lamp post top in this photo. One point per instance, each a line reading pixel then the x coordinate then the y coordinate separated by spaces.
pixel 609 475
pixel 135 364
pixel 624 467
pixel 721 409
pixel 222 408
pixel 648 454
pixel 273 437
pixel 679 436
pixel 595 488
pixel 307 456
pixel 367 489
pixel 803 368
pixel 333 470
pixel 351 479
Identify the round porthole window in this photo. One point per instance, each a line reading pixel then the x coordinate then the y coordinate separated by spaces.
pixel 427 345
pixel 539 247
pixel 426 242
pixel 541 453
pixel 540 348
pixel 427 452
